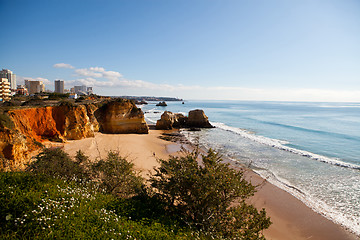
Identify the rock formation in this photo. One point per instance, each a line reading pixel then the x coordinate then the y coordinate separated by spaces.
pixel 162 104
pixel 73 122
pixel 15 149
pixel 23 130
pixel 196 119
pixel 121 116
pixel 170 120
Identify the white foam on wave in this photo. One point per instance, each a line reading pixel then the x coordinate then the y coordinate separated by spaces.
pixel 148 120
pixel 152 115
pixel 349 222
pixel 279 144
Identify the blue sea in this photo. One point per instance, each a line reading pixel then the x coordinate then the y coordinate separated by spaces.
pixel 311 150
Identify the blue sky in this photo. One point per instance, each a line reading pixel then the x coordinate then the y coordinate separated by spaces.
pixel 300 50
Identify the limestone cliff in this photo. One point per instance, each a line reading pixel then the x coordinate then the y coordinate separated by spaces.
pixel 73 122
pixel 23 130
pixel 121 116
pixel 171 120
pixel 31 126
pixel 14 149
pixel 196 119
pixel 53 123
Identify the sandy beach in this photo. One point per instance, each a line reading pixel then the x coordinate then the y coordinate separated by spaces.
pixel 291 218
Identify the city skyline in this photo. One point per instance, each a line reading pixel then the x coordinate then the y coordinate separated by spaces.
pixel 243 50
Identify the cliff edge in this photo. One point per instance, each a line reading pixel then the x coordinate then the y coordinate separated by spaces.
pixel 23 130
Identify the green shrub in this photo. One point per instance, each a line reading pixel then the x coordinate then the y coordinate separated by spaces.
pixel 204 192
pixel 67 102
pixel 34 206
pixel 58 96
pixel 54 162
pixel 117 175
pixel 5 121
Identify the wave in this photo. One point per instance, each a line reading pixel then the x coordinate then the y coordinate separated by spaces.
pixel 152 115
pixel 148 120
pixel 279 144
pixel 333 134
pixel 317 205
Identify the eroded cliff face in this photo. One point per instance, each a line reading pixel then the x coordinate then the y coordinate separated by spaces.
pixel 54 123
pixel 121 116
pixel 15 149
pixel 37 123
pixel 73 122
pixel 32 126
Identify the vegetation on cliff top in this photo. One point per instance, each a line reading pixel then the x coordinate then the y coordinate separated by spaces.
pixel 63 198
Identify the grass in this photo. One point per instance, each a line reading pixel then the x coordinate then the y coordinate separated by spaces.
pixel 39 207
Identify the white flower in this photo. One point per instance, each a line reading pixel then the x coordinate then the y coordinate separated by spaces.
pixel 8 217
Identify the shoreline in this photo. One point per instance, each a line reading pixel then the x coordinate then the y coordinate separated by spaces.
pixel 291 218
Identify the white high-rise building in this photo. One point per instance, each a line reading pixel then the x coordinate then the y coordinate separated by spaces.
pixel 5 73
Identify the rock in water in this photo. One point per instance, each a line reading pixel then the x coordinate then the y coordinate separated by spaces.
pixel 121 116
pixel 197 118
pixel 170 120
pixel 161 104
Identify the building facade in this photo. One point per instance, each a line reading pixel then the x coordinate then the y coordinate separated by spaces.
pixel 5 73
pixel 34 86
pixel 59 86
pixel 80 90
pixel 22 90
pixel 5 92
pixel 89 90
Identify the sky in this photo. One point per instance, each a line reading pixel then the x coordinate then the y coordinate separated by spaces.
pixel 272 50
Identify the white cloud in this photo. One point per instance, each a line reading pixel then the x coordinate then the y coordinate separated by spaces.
pixel 21 80
pixel 98 72
pixel 111 75
pixel 63 65
pixel 97 69
pixel 87 73
pixel 111 82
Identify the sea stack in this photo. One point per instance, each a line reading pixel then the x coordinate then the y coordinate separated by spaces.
pixel 197 118
pixel 170 120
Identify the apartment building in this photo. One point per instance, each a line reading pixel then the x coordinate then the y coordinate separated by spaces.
pixel 5 92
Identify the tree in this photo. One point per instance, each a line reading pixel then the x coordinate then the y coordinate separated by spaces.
pixel 203 193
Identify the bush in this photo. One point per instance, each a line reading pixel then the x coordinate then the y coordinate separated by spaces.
pixel 67 102
pixel 54 162
pixel 58 96
pixel 202 193
pixel 39 207
pixel 5 121
pixel 117 175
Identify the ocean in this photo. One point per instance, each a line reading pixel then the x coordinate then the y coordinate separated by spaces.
pixel 311 150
